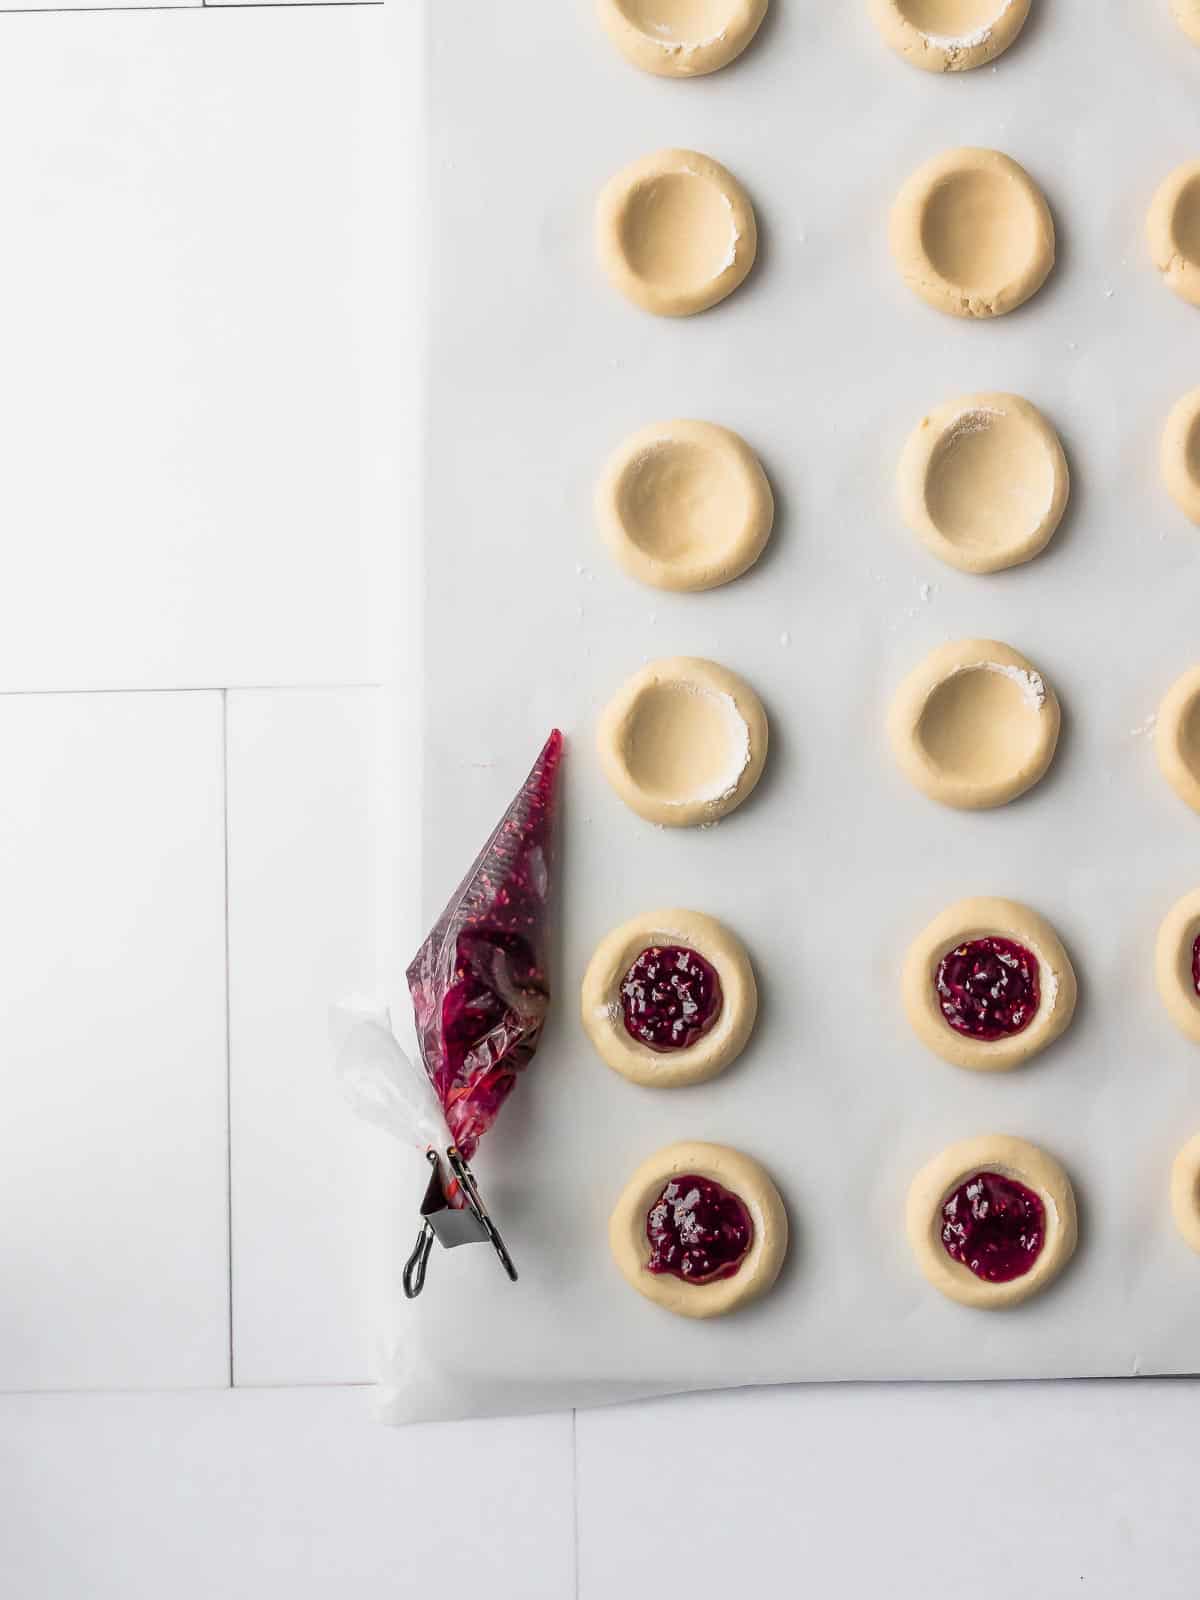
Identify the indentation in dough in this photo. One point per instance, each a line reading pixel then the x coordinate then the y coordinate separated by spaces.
pixel 978 231
pixel 954 22
pixel 678 24
pixel 678 231
pixel 678 499
pixel 1185 220
pixel 981 722
pixel 990 483
pixel 686 744
pixel 1177 737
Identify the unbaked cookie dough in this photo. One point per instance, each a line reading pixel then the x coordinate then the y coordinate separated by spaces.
pixel 685 505
pixel 975 725
pixel 1185 1192
pixel 1177 737
pixel 988 984
pixel 765 1220
pixel 1180 454
pixel 683 742
pixel 949 35
pixel 948 1210
pixel 675 232
pixel 681 38
pixel 1187 15
pixel 1173 229
pixel 984 482
pixel 1177 964
pixel 972 234
pixel 657 1014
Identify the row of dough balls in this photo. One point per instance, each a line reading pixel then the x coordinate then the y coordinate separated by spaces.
pixel 1012 1023
pixel 970 232
pixel 1015 1161
pixel 685 505
pixel 688 38
pixel 683 742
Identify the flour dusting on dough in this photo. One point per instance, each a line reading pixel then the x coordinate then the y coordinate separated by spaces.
pixel 730 257
pixel 1031 684
pixel 738 733
pixel 968 41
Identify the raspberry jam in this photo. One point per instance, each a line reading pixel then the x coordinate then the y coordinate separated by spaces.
pixel 670 997
pixel 698 1230
pixel 988 988
pixel 479 983
pixel 1196 964
pixel 995 1226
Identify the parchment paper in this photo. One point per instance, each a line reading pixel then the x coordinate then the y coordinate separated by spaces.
pixel 824 361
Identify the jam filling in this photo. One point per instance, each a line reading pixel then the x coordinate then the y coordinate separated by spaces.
pixel 988 988
pixel 698 1230
pixel 995 1226
pixel 670 997
pixel 1196 964
pixel 479 983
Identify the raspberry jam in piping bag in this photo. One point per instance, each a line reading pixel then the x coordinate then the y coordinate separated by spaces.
pixel 479 983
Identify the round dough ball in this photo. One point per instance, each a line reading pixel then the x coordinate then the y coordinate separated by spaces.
pixel 676 232
pixel 740 1174
pixel 1187 15
pixel 1176 964
pixel 1173 229
pixel 1181 454
pixel 603 1015
pixel 975 725
pixel 949 35
pixel 681 38
pixel 984 482
pixel 1177 737
pixel 984 918
pixel 685 505
pixel 683 742
pixel 1012 1158
pixel 972 234
pixel 1185 1192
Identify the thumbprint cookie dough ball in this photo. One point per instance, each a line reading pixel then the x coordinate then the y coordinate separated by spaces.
pixel 971 234
pixel 949 35
pixel 700 1229
pixel 681 38
pixel 675 232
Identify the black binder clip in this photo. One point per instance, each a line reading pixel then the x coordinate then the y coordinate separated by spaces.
pixel 451 1225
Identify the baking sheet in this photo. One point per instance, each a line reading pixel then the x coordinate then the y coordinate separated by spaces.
pixel 824 361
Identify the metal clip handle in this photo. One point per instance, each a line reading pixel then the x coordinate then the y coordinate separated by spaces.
pixel 417 1264
pixel 469 1225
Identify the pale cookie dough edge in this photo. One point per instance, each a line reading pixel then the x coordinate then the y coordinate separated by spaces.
pixel 1173 964
pixel 666 59
pixel 1011 1158
pixel 734 1170
pixel 600 1005
pixel 982 917
pixel 934 52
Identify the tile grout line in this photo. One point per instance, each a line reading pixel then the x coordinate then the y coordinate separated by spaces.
pixel 575 1497
pixel 201 688
pixel 228 1025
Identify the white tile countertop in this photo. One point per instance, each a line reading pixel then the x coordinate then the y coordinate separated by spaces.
pixel 212 282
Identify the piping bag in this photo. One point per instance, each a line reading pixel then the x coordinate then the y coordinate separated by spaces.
pixel 480 992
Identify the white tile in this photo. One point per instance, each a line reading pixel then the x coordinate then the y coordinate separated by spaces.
pixel 274 1494
pixel 990 1491
pixel 202 376
pixel 113 1176
pixel 303 888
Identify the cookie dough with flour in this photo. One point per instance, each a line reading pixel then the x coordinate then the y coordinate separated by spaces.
pixel 683 742
pixel 984 482
pixel 988 985
pixel 685 505
pixel 1177 737
pixel 681 38
pixel 1187 14
pixel 972 234
pixel 687 1049
pixel 1173 231
pixel 660 1192
pixel 949 35
pixel 675 232
pixel 955 1240
pixel 975 725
